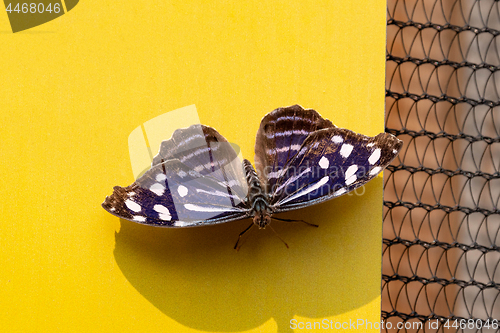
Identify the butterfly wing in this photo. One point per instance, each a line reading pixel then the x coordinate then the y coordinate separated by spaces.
pixel 199 181
pixel 304 159
pixel 200 148
pixel 279 138
pixel 329 163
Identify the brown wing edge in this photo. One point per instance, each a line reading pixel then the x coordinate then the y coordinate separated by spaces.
pixel 262 160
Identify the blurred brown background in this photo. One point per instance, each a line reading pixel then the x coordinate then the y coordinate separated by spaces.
pixel 441 258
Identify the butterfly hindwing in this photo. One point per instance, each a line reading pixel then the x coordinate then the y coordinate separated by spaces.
pixel 280 135
pixel 201 184
pixel 332 162
pixel 202 149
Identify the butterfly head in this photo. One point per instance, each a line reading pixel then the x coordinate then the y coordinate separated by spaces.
pixel 262 214
pixel 262 220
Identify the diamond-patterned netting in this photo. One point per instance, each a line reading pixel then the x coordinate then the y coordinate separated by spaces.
pixel 441 254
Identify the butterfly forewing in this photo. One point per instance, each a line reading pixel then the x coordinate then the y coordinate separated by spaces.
pixel 332 162
pixel 202 183
pixel 279 138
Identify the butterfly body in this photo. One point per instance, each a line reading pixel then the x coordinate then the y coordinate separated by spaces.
pixel 257 199
pixel 301 159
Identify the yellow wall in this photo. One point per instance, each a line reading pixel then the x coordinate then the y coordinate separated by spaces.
pixel 74 88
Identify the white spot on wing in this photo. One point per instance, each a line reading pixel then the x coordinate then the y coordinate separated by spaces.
pixel 340 192
pixel 216 193
pixel 157 188
pixel 181 223
pixel 282 149
pixel 293 178
pixel 198 208
pixel 161 209
pixel 375 170
pixel 350 174
pixel 351 171
pixel 286 133
pixel 163 212
pixel 308 189
pixel 164 217
pixel 277 174
pixel 182 174
pixel 346 150
pixel 371 144
pixel 160 177
pixel 394 151
pixel 133 206
pixel 374 157
pixel 139 218
pixel 302 151
pixel 351 180
pixel 324 163
pixel 337 139
pixel 182 190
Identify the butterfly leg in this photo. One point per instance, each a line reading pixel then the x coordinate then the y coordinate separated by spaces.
pixel 236 247
pixel 279 236
pixel 288 220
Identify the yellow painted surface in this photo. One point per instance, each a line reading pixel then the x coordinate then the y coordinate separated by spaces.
pixel 73 89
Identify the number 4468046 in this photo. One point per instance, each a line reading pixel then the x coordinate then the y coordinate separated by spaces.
pixel 472 324
pixel 34 8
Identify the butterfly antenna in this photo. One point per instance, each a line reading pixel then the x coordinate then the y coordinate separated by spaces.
pixel 287 220
pixel 278 236
pixel 236 247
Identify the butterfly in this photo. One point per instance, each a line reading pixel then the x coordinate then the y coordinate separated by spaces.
pixel 301 159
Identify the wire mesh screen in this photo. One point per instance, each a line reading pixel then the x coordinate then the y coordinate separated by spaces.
pixel 441 260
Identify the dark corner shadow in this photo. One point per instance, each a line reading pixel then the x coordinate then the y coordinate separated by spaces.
pixel 26 32
pixel 196 278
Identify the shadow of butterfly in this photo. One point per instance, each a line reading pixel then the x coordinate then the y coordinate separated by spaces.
pixel 301 159
pixel 25 15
